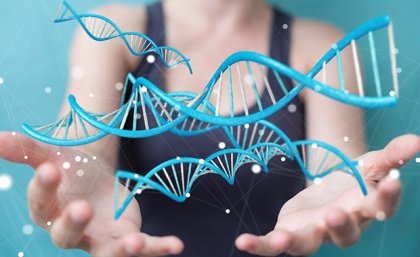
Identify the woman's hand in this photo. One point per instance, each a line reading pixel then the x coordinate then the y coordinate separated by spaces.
pixel 71 196
pixel 335 211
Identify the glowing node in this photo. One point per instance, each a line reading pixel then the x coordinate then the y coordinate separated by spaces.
pixel 66 165
pixel 360 163
pixel 380 215
pixel 334 46
pixel 143 89
pixel 94 157
pixel 1 80
pixel 77 158
pixel 136 176
pixel 188 195
pixel 418 159
pixel 177 107
pixel 21 254
pixel 246 126
pixel 6 182
pixel 48 90
pixel 392 93
pixel 85 160
pixel 317 181
pixel 400 162
pixel 283 159
pixel 27 229
pixel 26 157
pixel 178 158
pixel 291 108
pixel 396 50
pixel 58 153
pixel 201 161
pixel 139 191
pixel 222 145
pixel 77 72
pixel 256 168
pixel 151 58
pixel 346 139
pixel 399 70
pixel 91 95
pixel 394 174
pixel 49 223
pixel 285 26
pixel 80 173
pixel 134 102
pixel 13 133
pixel 261 132
pixel 227 211
pixel 119 86
pixel 314 146
pixel 138 116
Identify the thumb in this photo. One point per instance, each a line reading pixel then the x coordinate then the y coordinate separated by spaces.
pixel 377 164
pixel 21 149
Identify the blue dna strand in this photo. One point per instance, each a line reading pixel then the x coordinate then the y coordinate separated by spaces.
pixel 101 28
pixel 253 143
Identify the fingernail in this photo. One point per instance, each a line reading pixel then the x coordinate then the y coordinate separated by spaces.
pixel 45 177
pixel 76 216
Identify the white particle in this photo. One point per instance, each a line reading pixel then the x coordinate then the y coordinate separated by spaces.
pixel 283 159
pixel 143 89
pixel 178 158
pixel 360 163
pixel 418 159
pixel 222 145
pixel 227 211
pixel 346 139
pixel 26 157
pixel 58 153
pixel 27 229
pixel 285 26
pixel 317 88
pixel 201 161
pixel 188 195
pixel 261 132
pixel 334 46
pixel 66 165
pixel 93 157
pixel 400 162
pixel 314 146
pixel 77 72
pixel 1 80
pixel 13 133
pixel 119 86
pixel 392 93
pixel 396 50
pixel 6 182
pixel 399 70
pixel 151 58
pixel 134 102
pixel 77 158
pixel 317 181
pixel 48 90
pixel 21 254
pixel 91 95
pixel 138 116
pixel 291 108
pixel 177 107
pixel 80 173
pixel 139 191
pixel 380 215
pixel 394 174
pixel 246 126
pixel 49 223
pixel 85 160
pixel 256 168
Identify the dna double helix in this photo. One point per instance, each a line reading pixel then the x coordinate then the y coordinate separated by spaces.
pixel 256 143
pixel 100 28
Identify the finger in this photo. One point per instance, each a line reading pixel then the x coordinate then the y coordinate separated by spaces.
pixel 384 202
pixel 399 151
pixel 21 149
pixel 142 245
pixel 42 192
pixel 342 229
pixel 67 231
pixel 272 244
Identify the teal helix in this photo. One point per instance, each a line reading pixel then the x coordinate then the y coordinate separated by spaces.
pixel 253 139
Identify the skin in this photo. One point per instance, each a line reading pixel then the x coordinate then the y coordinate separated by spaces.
pixel 81 210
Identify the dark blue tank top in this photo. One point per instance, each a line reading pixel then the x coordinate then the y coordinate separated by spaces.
pixel 254 201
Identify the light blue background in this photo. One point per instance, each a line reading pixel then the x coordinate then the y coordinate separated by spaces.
pixel 34 55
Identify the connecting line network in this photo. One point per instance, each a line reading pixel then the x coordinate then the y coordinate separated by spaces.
pixel 145 110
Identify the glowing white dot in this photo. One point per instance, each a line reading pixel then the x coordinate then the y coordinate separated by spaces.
pixel 400 162
pixel 396 50
pixel 77 158
pixel 380 215
pixel 283 159
pixel 177 107
pixel 201 161
pixel 13 133
pixel 138 116
pixel 48 90
pixel 394 174
pixel 151 58
pixel 80 173
pixel 119 86
pixel 317 88
pixel 360 163
pixel 58 153
pixel 346 139
pixel 334 46
pixel 91 95
pixel 317 181
pixel 26 157
pixel 314 146
pixel 85 160
pixel 49 223
pixel 222 145
pixel 418 159
pixel 392 93
pixel 178 158
pixel 136 176
pixel 261 132
pixel 66 165
pixel 188 195
pixel 139 191
pixel 21 254
pixel 285 26
pixel 134 102
pixel 1 80
pixel 77 72
pixel 246 126
pixel 256 168
pixel 291 108
pixel 227 211
pixel 27 229
pixel 6 182
pixel 143 89
pixel 399 70
pixel 94 157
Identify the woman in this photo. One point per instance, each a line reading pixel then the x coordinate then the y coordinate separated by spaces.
pixel 77 210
